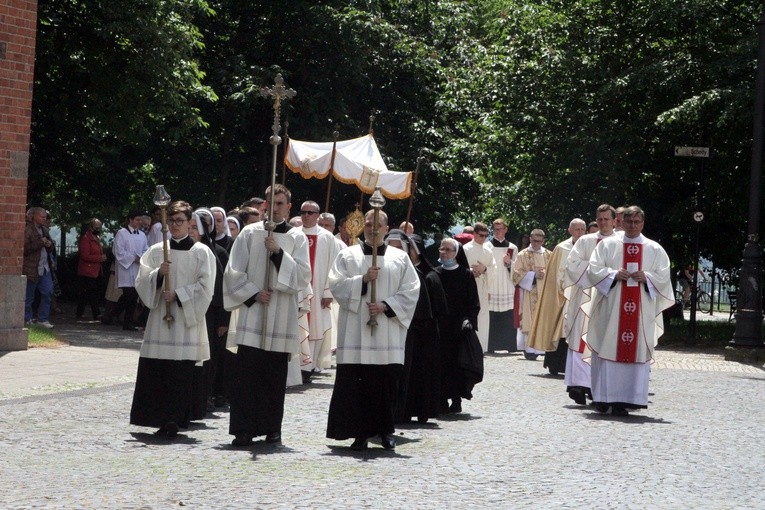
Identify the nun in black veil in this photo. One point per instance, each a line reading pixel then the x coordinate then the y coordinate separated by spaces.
pixel 463 306
pixel 420 385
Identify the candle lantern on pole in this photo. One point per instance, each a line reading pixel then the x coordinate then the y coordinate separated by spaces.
pixel 377 202
pixel 162 199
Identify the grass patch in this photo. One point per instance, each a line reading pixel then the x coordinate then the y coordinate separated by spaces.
pixel 42 337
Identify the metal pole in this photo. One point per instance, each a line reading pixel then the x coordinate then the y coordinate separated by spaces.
pixel 748 331
pixel 420 159
pixel 284 155
pixel 335 136
pixel 278 92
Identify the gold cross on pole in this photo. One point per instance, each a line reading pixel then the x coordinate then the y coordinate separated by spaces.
pixel 278 91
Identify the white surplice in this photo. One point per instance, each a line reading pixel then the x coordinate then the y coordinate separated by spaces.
pixel 578 310
pixel 484 254
pixel 192 277
pixel 128 244
pixel 245 276
pixel 397 285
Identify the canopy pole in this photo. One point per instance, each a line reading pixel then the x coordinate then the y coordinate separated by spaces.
pixel 335 136
pixel 372 122
pixel 420 159
pixel 286 148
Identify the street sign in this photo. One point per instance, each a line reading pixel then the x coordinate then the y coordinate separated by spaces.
pixel 698 216
pixel 692 152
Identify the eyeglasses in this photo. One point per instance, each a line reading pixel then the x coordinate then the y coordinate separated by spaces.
pixel 308 213
pixel 176 221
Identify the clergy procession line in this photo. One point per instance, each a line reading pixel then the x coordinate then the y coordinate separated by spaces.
pixel 238 311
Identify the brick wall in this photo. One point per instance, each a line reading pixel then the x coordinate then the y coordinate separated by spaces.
pixel 18 25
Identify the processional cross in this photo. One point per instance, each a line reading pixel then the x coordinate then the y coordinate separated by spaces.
pixel 279 91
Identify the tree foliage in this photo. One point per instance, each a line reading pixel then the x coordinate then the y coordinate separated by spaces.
pixel 537 111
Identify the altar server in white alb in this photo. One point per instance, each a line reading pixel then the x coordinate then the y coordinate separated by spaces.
pixel 260 368
pixel 171 348
pixel 502 334
pixel 577 377
pixel 632 277
pixel 370 361
pixel 483 266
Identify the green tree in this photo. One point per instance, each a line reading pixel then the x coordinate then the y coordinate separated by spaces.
pixel 112 80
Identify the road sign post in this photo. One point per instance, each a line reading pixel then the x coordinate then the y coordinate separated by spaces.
pixel 698 217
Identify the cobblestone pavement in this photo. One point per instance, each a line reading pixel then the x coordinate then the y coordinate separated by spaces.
pixel 521 443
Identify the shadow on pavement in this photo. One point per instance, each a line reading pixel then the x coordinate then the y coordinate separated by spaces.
pixel 458 417
pixel 370 453
pixel 631 418
pixel 151 439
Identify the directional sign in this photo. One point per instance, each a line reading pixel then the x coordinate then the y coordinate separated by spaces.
pixel 692 152
pixel 698 216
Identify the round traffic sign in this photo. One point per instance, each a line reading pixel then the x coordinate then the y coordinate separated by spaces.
pixel 698 216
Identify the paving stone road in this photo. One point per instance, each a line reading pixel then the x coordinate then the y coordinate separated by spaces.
pixel 65 443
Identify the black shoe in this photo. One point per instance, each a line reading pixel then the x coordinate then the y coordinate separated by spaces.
pixel 530 356
pixel 220 401
pixel 210 405
pixel 619 411
pixel 601 408
pixel 359 444
pixel 422 419
pixel 456 406
pixel 444 407
pixel 169 430
pixel 577 395
pixel 242 440
pixel 274 437
pixel 306 376
pixel 388 441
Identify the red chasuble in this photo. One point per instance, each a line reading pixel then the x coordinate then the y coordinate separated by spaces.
pixel 311 256
pixel 629 310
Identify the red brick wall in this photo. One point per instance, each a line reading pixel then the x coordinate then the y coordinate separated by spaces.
pixel 18 24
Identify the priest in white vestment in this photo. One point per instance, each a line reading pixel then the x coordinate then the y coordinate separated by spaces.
pixel 323 249
pixel 528 273
pixel 631 275
pixel 577 374
pixel 481 260
pixel 370 359
pixel 171 348
pixel 328 347
pixel 263 351
pixel 550 314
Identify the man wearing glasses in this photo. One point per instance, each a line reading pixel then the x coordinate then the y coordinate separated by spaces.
pixel 528 274
pixel 632 276
pixel 482 265
pixel 322 250
pixel 260 368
